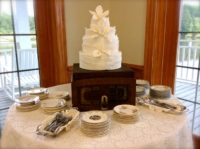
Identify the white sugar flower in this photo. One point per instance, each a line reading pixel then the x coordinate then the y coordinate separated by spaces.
pixel 99 13
pixel 100 51
pixel 97 53
pixel 102 29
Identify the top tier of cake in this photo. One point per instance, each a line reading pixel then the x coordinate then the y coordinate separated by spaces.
pixel 100 37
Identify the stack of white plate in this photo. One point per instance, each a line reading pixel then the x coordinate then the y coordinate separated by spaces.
pixel 140 91
pixel 95 123
pixel 160 91
pixel 59 95
pixel 126 113
pixel 52 106
pixel 27 103
pixel 143 83
pixel 43 93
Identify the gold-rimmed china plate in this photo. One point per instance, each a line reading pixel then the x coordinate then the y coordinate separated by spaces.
pixel 126 109
pixel 95 117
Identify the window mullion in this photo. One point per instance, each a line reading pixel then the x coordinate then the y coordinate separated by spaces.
pixel 15 49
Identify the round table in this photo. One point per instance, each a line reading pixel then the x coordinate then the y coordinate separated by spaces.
pixel 153 130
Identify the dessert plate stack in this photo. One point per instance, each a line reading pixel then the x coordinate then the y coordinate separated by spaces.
pixel 143 83
pixel 27 103
pixel 43 93
pixel 52 106
pixel 59 95
pixel 140 91
pixel 160 91
pixel 95 123
pixel 126 113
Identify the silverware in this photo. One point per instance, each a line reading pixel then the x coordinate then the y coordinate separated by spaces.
pixel 55 125
pixel 67 119
pixel 162 105
pixel 173 108
pixel 57 117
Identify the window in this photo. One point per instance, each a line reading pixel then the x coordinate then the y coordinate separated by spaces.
pixel 19 68
pixel 50 27
pixel 188 61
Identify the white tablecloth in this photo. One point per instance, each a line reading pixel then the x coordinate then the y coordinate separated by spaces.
pixel 153 130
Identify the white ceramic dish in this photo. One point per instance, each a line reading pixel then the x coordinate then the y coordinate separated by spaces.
pixel 95 117
pixel 27 109
pixel 140 89
pixel 160 91
pixel 27 99
pixel 160 88
pixel 176 108
pixel 41 128
pixel 125 116
pixel 44 96
pixel 53 103
pixel 126 109
pixel 138 81
pixel 36 91
pixel 143 83
pixel 59 95
pixel 52 111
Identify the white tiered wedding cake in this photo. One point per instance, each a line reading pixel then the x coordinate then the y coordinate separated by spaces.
pixel 100 48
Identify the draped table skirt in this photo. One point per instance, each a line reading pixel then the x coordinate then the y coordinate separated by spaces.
pixel 153 130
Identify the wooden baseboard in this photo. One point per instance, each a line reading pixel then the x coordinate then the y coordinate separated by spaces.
pixel 138 70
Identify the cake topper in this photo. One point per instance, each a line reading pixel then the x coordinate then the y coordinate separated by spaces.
pixel 99 13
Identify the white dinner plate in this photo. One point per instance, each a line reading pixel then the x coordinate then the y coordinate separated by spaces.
pixel 59 95
pixel 27 106
pixel 95 117
pixel 36 91
pixel 27 109
pixel 53 103
pixel 126 109
pixel 53 110
pixel 141 82
pixel 26 99
pixel 160 88
pixel 140 89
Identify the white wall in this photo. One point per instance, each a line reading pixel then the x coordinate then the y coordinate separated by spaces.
pixel 129 17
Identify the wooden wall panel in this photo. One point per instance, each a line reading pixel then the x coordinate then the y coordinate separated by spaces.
pixel 51 37
pixel 161 41
pixel 171 38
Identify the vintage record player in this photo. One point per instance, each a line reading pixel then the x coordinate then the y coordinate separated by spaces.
pixel 102 90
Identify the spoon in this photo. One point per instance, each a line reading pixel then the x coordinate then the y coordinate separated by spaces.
pixel 64 122
pixel 57 118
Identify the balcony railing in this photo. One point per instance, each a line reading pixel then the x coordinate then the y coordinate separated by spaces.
pixel 188 61
pixel 14 81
